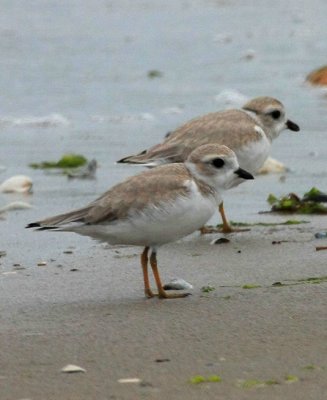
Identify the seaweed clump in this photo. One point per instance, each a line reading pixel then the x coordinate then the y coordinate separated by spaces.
pixel 66 161
pixel 310 203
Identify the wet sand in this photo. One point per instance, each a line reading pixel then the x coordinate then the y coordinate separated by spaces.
pixel 88 309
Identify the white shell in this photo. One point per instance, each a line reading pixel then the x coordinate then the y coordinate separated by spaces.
pixel 129 380
pixel 17 183
pixel 231 98
pixel 15 205
pixel 272 166
pixel 70 368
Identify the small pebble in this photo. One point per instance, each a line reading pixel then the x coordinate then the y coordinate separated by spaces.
pixel 3 253
pixel 249 55
pixel 207 289
pixel 160 360
pixel 220 241
pixel 74 269
pixel 223 38
pixel 41 263
pixel 19 267
pixel 239 251
pixel 146 384
pixel 313 154
pixel 321 235
pixel 68 252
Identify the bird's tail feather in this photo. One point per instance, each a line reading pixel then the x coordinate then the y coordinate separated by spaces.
pixel 61 219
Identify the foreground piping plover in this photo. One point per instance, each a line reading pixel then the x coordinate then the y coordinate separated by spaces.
pixel 249 132
pixel 157 206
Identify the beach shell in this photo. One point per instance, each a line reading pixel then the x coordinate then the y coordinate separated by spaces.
pixel 129 380
pixel 177 284
pixel 15 205
pixel 318 77
pixel 230 97
pixel 272 166
pixel 17 183
pixel 70 368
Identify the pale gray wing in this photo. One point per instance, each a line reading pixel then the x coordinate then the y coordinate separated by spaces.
pixel 151 187
pixel 233 128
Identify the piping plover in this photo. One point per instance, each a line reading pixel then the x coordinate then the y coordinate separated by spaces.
pixel 157 206
pixel 249 132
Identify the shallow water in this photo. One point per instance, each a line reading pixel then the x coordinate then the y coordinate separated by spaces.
pixel 73 78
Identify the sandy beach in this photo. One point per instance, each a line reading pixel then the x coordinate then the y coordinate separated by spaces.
pixel 109 78
pixel 88 309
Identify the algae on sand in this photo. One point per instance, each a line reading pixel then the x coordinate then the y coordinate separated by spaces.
pixel 201 379
pixel 66 161
pixel 310 203
pixel 247 224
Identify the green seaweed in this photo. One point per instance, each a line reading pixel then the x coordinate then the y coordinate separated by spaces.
pixel 201 379
pixel 255 383
pixel 197 379
pixel 272 382
pixel 207 289
pixel 66 161
pixel 291 379
pixel 247 224
pixel 312 193
pixel 214 378
pixel 310 367
pixel 154 73
pixel 251 383
pixel 250 286
pixel 294 222
pixel 313 279
pixel 272 199
pixel 292 203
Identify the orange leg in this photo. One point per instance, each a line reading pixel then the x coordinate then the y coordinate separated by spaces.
pixel 226 228
pixel 161 292
pixel 226 225
pixel 144 262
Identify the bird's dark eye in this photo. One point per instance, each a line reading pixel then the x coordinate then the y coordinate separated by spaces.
pixel 218 162
pixel 275 114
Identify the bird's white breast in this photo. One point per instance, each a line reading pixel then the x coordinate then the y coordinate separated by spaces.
pixel 157 224
pixel 252 156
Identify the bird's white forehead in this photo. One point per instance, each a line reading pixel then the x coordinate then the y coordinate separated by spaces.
pixel 273 107
pixel 212 156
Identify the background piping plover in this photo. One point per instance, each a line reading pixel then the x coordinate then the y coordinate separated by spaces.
pixel 249 132
pixel 157 206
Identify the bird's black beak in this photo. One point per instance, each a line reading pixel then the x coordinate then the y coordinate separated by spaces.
pixel 243 174
pixel 292 126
